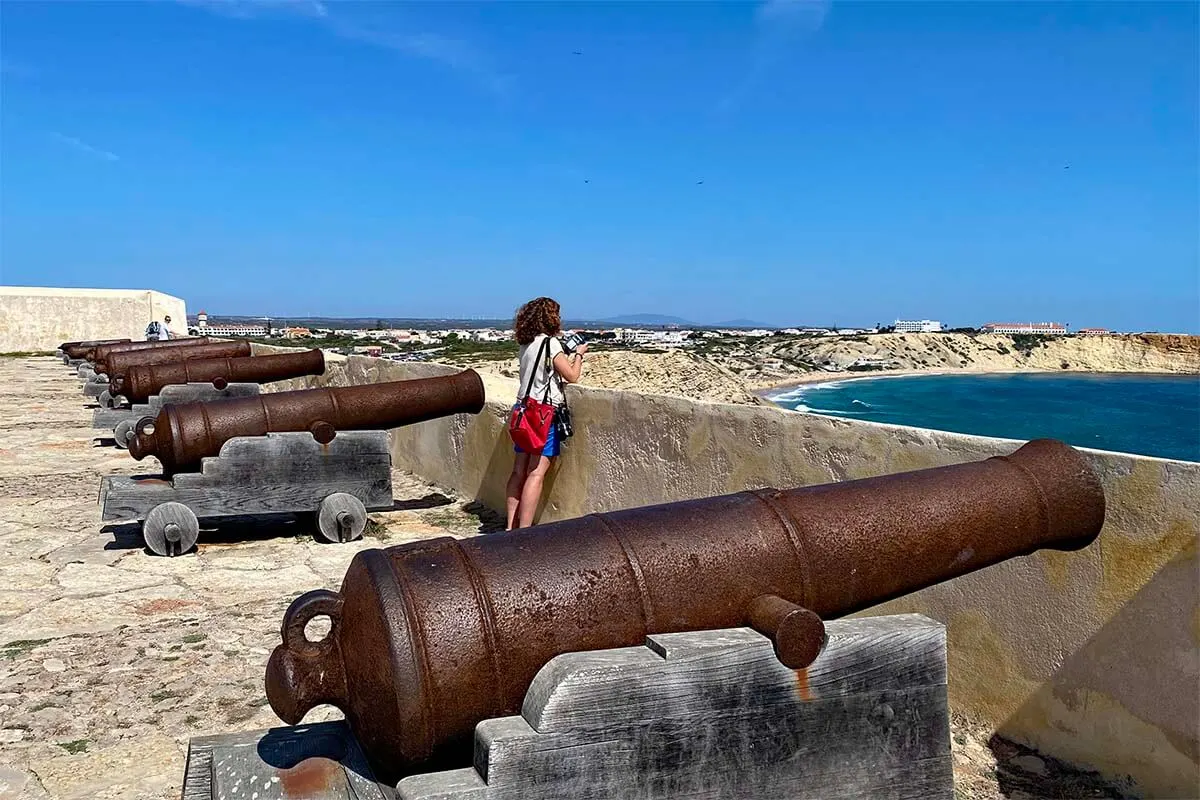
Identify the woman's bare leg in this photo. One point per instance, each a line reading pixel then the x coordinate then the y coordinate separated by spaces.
pixel 516 481
pixel 531 492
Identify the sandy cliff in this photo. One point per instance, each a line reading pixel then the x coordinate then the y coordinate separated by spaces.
pixel 730 374
pixel 673 372
pixel 778 360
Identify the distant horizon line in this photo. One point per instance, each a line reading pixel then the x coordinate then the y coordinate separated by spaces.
pixel 665 320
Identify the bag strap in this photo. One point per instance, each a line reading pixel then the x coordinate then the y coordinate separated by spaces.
pixel 549 370
pixel 554 376
pixel 533 372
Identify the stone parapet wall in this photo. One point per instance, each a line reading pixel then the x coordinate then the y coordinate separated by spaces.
pixel 34 319
pixel 1092 657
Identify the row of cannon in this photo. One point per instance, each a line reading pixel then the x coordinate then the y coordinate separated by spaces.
pixel 228 449
pixel 427 639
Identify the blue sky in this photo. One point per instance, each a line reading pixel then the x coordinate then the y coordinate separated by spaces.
pixel 791 162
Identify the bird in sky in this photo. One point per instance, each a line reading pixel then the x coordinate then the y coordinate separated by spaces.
pixel 577 52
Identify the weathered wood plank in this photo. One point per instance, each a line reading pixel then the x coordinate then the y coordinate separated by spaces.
pixel 315 762
pixel 715 715
pixel 276 473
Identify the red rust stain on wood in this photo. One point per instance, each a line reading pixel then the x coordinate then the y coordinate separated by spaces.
pixel 802 687
pixel 311 777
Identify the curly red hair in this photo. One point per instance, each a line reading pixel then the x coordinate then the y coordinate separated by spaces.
pixel 540 315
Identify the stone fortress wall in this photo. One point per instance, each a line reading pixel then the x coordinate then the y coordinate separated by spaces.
pixel 35 319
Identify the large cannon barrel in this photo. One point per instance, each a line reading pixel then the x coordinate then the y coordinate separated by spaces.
pixel 79 349
pixel 171 349
pixel 143 380
pixel 100 352
pixel 118 364
pixel 184 434
pixel 429 638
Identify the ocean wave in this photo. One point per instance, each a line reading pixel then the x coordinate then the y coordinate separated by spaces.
pixel 798 392
pixel 828 412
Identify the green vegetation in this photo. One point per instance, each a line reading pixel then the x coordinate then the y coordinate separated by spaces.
pixel 455 349
pixel 1026 343
pixel 20 647
pixel 374 530
pixel 327 342
pixel 76 746
pixel 192 638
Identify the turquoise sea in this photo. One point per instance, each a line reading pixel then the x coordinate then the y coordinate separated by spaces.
pixel 1153 415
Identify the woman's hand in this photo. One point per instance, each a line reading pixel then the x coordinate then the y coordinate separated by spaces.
pixel 581 349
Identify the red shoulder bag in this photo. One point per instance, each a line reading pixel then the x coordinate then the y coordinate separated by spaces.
pixel 530 421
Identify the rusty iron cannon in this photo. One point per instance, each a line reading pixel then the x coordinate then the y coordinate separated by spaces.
pixel 181 435
pixel 430 638
pixel 118 364
pixel 141 381
pixel 78 350
pixel 100 352
pixel 320 453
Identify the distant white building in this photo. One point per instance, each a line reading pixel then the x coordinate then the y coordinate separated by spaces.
pixel 1046 328
pixel 918 326
pixel 231 329
pixel 673 338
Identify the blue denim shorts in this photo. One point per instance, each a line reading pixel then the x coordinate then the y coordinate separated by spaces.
pixel 551 448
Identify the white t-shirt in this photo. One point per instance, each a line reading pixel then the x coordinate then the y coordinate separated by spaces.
pixel 164 331
pixel 543 374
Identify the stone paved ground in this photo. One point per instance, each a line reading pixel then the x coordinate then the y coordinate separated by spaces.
pixel 111 658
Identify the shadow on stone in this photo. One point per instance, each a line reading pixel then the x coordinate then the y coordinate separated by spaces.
pixel 1022 774
pixel 428 501
pixel 489 521
pixel 254 528
pixel 126 536
pixel 227 531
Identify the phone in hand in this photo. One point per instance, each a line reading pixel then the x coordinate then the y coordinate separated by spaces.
pixel 572 340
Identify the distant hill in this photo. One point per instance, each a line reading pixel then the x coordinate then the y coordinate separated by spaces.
pixel 742 323
pixel 365 323
pixel 648 319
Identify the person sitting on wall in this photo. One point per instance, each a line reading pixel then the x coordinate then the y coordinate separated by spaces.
pixel 537 321
pixel 160 331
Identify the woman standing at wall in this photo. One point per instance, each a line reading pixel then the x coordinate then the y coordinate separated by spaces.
pixel 544 366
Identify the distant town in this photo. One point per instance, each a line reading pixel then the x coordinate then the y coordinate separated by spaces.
pixel 411 343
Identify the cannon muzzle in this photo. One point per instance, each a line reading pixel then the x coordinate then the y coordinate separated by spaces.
pixel 430 638
pixel 100 352
pixel 143 380
pixel 79 349
pixel 119 364
pixel 181 435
